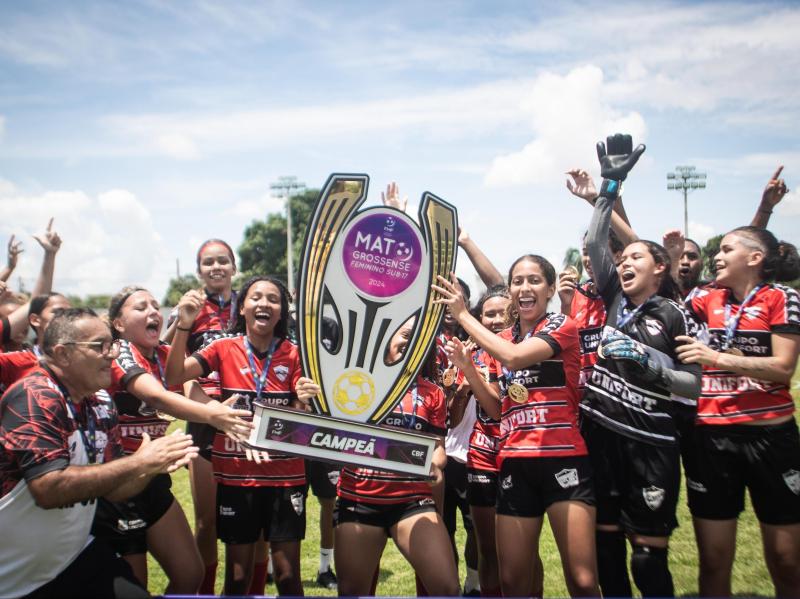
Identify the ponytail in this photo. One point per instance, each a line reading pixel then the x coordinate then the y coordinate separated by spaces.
pixel 781 262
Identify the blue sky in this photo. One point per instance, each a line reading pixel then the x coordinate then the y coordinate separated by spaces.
pixel 147 127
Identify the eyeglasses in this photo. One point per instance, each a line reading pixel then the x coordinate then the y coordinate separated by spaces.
pixel 108 348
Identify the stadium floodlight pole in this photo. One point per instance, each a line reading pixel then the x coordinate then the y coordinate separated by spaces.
pixel 686 179
pixel 286 187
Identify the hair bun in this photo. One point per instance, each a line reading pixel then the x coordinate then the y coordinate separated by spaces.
pixel 788 264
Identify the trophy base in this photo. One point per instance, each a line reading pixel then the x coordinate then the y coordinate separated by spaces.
pixel 340 441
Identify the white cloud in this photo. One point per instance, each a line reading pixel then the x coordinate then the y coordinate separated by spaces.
pixel 568 115
pixel 700 232
pixel 108 241
pixel 790 205
pixel 257 208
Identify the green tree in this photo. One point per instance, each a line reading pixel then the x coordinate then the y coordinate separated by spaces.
pixel 95 302
pixel 177 287
pixel 710 250
pixel 263 250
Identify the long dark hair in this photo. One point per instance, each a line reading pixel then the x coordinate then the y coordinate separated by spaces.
pixel 667 287
pixel 215 241
pixel 282 326
pixel 492 292
pixel 544 264
pixel 781 262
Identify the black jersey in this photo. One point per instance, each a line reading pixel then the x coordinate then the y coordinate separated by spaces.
pixel 618 395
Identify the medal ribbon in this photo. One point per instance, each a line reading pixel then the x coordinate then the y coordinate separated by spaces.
pixel 732 322
pixel 515 334
pixel 624 316
pixel 259 380
pixel 91 425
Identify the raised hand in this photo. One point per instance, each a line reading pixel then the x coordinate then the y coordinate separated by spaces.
pixel 450 295
pixel 775 190
pixel 463 236
pixel 567 283
pixel 14 250
pixel 49 240
pixel 581 185
pixel 617 156
pixel 459 353
pixel 189 307
pixel 674 242
pixel 391 197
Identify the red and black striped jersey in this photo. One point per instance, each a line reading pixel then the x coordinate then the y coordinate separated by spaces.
pixel 547 423
pixel 589 313
pixel 727 397
pixel 422 409
pixel 228 357
pixel 484 442
pixel 39 433
pixel 135 416
pixel 15 365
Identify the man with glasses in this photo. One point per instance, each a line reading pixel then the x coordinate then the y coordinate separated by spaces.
pixel 60 451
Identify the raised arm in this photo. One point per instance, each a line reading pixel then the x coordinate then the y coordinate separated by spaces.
pixel 483 266
pixel 773 194
pixel 512 355
pixel 179 368
pixel 50 242
pixel 582 185
pixel 487 395
pixel 674 242
pixel 14 250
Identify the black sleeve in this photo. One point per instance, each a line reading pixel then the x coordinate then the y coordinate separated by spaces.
pixel 605 271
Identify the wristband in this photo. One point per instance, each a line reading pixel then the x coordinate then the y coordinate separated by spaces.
pixel 180 328
pixel 610 189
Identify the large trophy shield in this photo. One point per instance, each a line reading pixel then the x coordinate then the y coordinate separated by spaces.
pixel 364 274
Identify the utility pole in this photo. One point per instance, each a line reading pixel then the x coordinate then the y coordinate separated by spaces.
pixel 686 179
pixel 286 187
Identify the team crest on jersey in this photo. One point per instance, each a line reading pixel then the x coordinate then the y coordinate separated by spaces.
pixel 145 410
pixel 297 502
pixel 333 477
pixel 792 480
pixel 653 497
pixel 101 412
pixel 281 372
pixel 506 483
pixel 653 327
pixel 567 478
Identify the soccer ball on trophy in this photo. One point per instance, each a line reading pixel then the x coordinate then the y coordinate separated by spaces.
pixel 353 392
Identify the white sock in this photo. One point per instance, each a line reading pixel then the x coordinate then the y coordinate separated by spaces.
pixel 471 582
pixel 325 559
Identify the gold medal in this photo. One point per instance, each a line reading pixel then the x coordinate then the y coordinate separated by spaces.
pixel 600 351
pixel 165 416
pixel 518 393
pixel 734 351
pixel 449 377
pixel 572 273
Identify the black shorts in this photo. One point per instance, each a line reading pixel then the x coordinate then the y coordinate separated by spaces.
pixel 481 487
pixel 455 496
pixel 124 524
pixel 322 477
pixel 203 437
pixel 528 486
pixel 726 459
pixel 636 483
pixel 244 512
pixel 97 572
pixel 381 515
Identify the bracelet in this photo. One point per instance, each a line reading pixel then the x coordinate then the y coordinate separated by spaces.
pixel 762 210
pixel 180 328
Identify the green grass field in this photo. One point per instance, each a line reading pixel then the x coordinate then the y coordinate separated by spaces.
pixel 750 575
